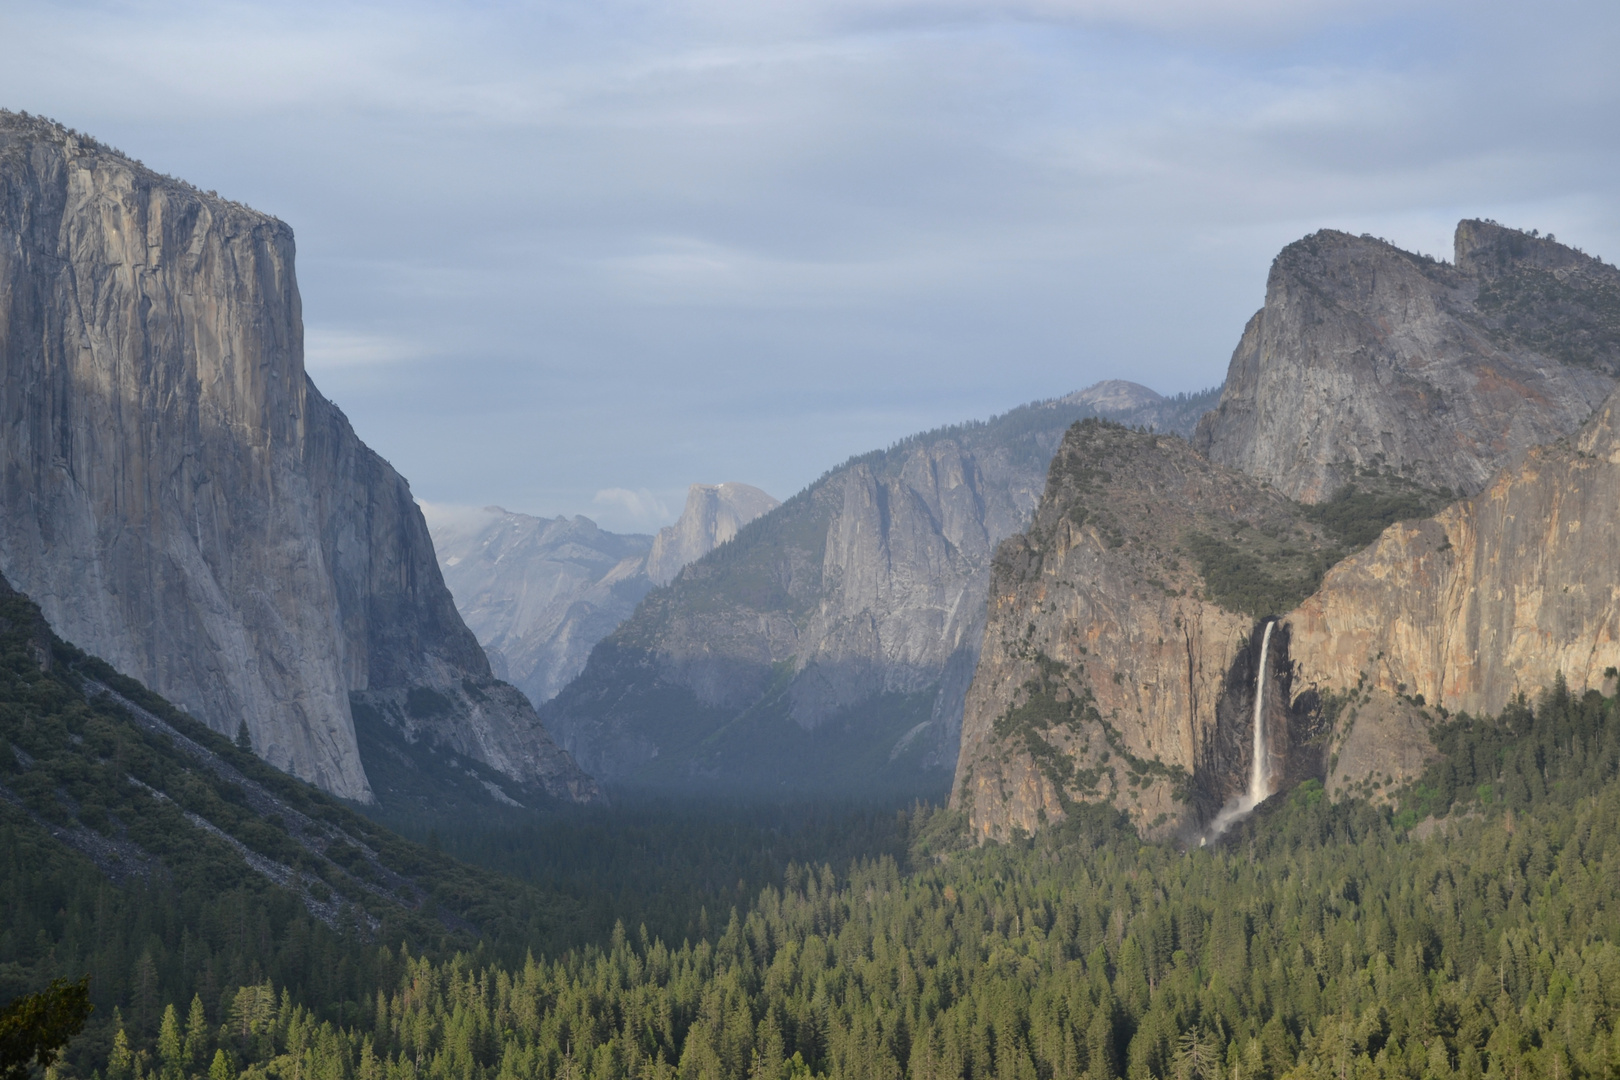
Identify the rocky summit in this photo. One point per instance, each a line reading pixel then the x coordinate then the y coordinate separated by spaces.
pixel 713 514
pixel 1369 357
pixel 180 499
pixel 828 646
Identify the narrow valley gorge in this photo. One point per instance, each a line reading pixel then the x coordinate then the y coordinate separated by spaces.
pixel 1268 732
pixel 540 594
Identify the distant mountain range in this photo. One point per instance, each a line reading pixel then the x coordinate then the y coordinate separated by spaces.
pixel 828 646
pixel 539 593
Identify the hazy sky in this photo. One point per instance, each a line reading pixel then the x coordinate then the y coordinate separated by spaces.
pixel 570 257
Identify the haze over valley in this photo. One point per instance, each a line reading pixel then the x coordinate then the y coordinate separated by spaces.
pixel 874 541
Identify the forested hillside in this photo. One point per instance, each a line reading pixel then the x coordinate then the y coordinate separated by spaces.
pixel 140 847
pixel 1463 927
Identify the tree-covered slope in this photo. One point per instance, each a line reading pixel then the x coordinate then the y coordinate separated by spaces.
pixel 1321 940
pixel 828 646
pixel 138 845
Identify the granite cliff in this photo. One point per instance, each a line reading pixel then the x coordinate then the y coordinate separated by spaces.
pixel 539 594
pixel 180 499
pixel 1496 596
pixel 1119 659
pixel 1123 652
pixel 1369 357
pixel 712 516
pixel 828 646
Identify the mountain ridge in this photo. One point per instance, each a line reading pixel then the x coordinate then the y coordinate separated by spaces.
pixel 1173 667
pixel 830 641
pixel 539 594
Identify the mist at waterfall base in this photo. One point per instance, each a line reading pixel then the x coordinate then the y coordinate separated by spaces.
pixel 1259 789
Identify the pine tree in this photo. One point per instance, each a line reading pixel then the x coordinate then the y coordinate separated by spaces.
pixel 120 1062
pixel 171 1046
pixel 196 1044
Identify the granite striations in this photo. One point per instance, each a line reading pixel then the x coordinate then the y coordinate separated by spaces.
pixel 180 499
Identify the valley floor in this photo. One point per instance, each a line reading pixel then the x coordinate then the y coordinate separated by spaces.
pixel 1465 926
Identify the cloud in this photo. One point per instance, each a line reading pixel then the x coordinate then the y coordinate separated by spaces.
pixel 327 349
pixel 1176 17
pixel 642 508
pixel 575 255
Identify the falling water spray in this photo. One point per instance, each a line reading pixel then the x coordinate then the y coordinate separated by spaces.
pixel 1260 768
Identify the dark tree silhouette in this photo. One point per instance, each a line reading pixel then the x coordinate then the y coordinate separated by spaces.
pixel 35 1028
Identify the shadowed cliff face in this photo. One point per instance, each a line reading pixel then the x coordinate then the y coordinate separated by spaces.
pixel 1294 728
pixel 1369 357
pixel 831 642
pixel 178 497
pixel 1108 672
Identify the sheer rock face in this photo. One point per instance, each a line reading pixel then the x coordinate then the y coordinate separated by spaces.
pixel 1366 356
pixel 1104 674
pixel 538 593
pixel 1496 596
pixel 1103 677
pixel 713 514
pixel 179 499
pixel 832 641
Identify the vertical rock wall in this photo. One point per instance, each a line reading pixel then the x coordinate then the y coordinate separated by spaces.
pixel 177 496
pixel 1496 596
pixel 1107 673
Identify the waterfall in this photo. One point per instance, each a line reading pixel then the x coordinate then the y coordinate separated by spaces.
pixel 1260 768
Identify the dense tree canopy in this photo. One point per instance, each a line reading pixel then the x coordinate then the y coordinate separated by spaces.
pixel 1324 939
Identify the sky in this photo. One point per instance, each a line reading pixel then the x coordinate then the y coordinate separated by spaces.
pixel 570 257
